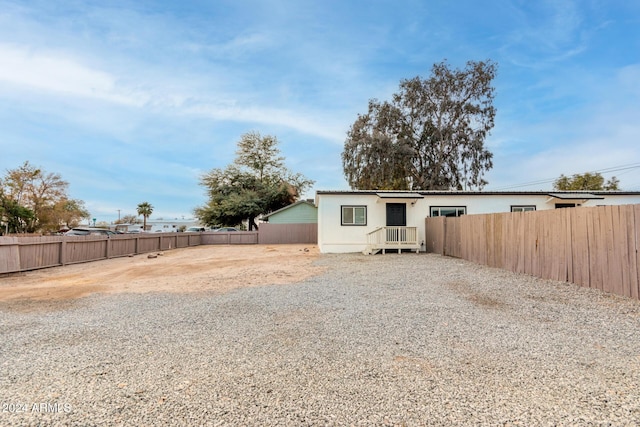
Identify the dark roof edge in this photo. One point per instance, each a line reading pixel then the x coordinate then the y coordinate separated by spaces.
pixel 479 193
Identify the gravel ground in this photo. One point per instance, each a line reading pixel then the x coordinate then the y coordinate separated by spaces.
pixel 375 340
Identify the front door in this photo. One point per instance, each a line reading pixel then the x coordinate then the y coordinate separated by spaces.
pixel 396 214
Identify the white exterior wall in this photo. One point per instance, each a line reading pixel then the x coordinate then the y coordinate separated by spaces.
pixel 615 200
pixel 333 237
pixel 157 226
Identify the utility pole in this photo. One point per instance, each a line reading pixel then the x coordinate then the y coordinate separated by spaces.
pixel 118 215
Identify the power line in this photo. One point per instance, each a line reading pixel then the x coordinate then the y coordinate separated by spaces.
pixel 550 180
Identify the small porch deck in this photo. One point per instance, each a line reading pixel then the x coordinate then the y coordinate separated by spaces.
pixel 392 238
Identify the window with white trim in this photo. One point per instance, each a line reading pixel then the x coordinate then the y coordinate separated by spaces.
pixel 523 208
pixel 448 210
pixel 354 215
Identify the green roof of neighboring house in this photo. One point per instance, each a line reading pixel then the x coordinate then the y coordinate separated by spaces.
pixel 300 212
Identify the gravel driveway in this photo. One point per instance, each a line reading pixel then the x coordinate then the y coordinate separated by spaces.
pixel 375 340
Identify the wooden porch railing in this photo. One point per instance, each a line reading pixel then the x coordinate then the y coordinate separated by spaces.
pixel 398 238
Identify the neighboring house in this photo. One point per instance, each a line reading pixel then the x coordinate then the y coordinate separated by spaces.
pixel 170 225
pixel 367 221
pixel 300 212
pixel 296 223
pixel 159 225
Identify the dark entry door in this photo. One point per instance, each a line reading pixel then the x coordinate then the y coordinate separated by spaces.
pixel 396 214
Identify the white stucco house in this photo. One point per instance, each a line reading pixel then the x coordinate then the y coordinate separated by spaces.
pixel 159 225
pixel 364 221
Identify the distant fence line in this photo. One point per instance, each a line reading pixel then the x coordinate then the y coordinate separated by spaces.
pixel 31 253
pixel 596 247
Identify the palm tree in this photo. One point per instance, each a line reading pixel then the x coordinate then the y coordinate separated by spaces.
pixel 145 209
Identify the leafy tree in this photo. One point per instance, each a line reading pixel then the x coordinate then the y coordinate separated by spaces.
pixel 42 194
pixel 65 212
pixel 586 181
pixel 429 137
pixel 145 209
pixel 17 217
pixel 256 183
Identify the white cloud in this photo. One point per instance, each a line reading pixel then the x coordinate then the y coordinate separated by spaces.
pixel 54 72
pixel 60 74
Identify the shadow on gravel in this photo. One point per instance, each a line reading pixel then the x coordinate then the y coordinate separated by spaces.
pixel 469 293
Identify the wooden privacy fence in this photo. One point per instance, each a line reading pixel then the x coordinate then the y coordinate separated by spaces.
pixel 30 253
pixel 596 247
pixel 288 233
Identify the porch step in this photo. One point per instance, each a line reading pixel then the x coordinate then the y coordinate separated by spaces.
pixel 370 250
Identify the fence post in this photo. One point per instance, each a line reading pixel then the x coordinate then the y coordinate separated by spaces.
pixel 63 252
pixel 444 236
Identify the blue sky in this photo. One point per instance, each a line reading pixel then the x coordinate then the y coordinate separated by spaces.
pixel 132 101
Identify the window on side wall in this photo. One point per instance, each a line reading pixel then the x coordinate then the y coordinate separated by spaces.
pixel 448 210
pixel 523 208
pixel 354 215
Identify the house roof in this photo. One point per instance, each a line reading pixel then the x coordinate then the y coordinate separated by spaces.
pixel 575 196
pixel 289 207
pixel 387 195
pixel 558 194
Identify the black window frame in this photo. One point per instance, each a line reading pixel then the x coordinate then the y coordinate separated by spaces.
pixel 353 207
pixel 431 208
pixel 566 205
pixel 524 208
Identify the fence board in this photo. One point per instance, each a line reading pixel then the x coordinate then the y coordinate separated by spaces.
pixel 434 235
pixel 450 238
pixel 467 247
pixel 568 229
pixel 628 225
pixel 580 248
pixel 510 257
pixel 558 250
pixel 628 250
pixel 521 239
pixel 487 241
pixel 534 250
pixel 616 272
pixel 595 244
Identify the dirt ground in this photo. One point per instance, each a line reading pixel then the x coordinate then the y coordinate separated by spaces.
pixel 195 269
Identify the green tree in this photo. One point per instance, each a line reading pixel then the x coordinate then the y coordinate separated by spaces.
pixel 17 217
pixel 145 209
pixel 256 183
pixel 586 181
pixel 429 137
pixel 44 195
